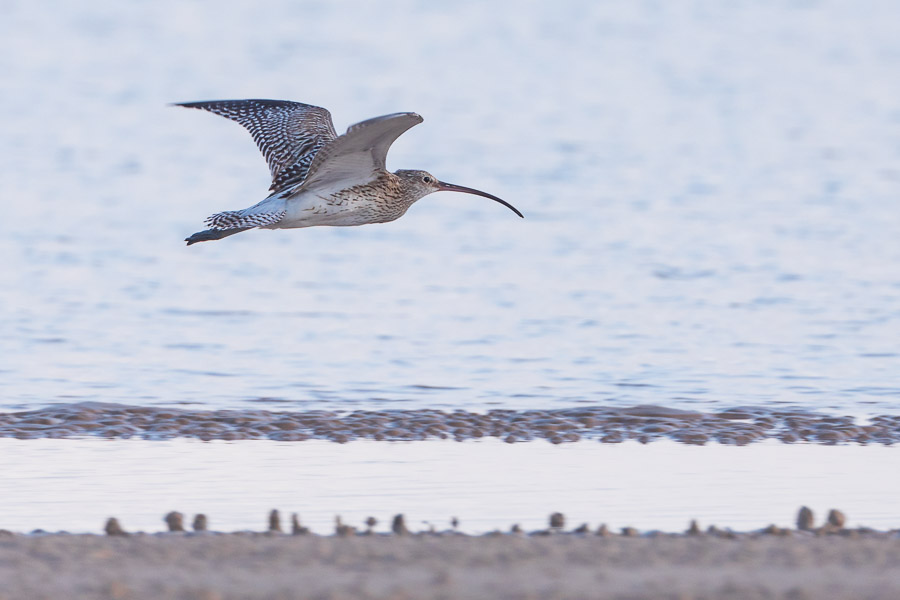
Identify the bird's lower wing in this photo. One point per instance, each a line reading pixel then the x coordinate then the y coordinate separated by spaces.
pixel 355 157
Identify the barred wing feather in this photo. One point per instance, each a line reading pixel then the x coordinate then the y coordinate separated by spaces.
pixel 289 134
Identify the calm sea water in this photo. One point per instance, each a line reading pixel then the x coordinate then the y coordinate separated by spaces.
pixel 711 191
pixel 75 485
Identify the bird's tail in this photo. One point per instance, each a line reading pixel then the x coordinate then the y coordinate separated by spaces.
pixel 213 234
pixel 264 214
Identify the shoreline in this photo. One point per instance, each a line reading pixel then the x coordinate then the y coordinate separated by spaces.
pixel 644 423
pixel 833 524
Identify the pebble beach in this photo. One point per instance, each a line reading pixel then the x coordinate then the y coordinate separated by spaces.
pixel 821 563
pixel 608 425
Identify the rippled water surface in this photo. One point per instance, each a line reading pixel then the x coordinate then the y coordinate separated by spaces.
pixel 711 192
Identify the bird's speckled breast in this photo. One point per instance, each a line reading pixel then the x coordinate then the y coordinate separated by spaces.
pixel 378 201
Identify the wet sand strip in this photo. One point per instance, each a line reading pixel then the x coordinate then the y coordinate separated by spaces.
pixel 644 423
pixel 555 563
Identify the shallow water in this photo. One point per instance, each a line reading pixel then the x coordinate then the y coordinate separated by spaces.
pixel 711 200
pixel 75 485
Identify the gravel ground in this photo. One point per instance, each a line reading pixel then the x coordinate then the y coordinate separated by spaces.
pixel 251 565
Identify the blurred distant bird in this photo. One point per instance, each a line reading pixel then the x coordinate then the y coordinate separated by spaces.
pixel 319 177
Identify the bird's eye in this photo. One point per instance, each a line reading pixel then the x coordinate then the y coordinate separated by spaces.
pixel 427 179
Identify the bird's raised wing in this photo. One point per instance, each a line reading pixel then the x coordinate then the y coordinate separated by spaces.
pixel 289 134
pixel 355 157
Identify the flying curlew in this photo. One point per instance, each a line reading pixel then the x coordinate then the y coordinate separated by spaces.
pixel 319 177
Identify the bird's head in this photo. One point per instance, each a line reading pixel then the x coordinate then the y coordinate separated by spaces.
pixel 422 183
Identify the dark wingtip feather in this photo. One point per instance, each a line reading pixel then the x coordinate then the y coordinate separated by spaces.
pixel 205 236
pixel 213 234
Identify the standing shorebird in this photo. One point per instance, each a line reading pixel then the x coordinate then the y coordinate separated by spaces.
pixel 319 177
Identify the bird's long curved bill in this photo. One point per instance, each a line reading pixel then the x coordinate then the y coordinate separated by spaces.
pixel 449 187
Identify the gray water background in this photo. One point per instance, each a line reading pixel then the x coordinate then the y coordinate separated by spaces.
pixel 711 192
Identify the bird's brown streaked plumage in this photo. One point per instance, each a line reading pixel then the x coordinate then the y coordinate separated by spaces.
pixel 318 177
